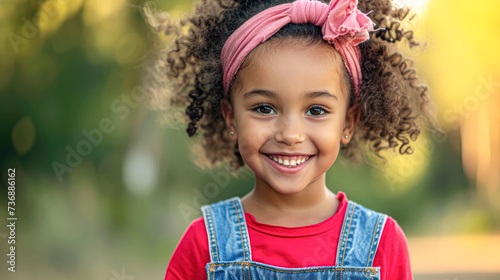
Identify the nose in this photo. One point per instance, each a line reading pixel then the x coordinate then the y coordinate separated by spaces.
pixel 290 130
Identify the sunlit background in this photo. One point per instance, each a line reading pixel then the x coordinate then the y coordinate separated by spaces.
pixel 105 192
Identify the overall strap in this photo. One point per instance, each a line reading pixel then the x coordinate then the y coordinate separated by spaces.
pixel 360 235
pixel 227 231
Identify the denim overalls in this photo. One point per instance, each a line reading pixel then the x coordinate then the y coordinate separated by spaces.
pixel 231 257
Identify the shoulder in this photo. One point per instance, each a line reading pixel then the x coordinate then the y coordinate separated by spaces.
pixel 197 225
pixel 393 235
pixel 392 254
pixel 195 234
pixel 191 254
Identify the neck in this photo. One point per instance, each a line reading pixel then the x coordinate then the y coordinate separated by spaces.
pixel 311 198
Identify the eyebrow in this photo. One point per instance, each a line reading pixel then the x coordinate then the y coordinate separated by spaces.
pixel 270 94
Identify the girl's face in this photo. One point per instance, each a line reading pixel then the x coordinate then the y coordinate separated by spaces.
pixel 291 105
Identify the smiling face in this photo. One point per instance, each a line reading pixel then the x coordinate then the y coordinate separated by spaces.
pixel 290 114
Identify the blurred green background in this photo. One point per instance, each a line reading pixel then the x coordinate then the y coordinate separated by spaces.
pixel 103 191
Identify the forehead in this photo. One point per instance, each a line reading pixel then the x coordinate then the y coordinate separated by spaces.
pixel 290 66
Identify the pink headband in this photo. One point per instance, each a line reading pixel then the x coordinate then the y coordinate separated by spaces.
pixel 339 18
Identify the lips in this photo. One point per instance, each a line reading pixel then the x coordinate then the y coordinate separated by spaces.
pixel 292 165
pixel 289 160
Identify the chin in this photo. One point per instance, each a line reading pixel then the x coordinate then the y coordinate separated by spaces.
pixel 287 190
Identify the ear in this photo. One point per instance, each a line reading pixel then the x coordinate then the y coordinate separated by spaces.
pixel 351 121
pixel 228 114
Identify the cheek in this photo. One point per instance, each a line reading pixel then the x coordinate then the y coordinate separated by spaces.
pixel 252 135
pixel 327 138
pixel 330 129
pixel 329 145
pixel 249 149
pixel 329 149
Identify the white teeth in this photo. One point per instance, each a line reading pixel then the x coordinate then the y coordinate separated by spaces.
pixel 288 163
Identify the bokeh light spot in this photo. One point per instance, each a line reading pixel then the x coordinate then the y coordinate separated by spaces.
pixel 23 135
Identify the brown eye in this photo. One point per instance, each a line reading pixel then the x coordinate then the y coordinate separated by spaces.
pixel 317 111
pixel 263 109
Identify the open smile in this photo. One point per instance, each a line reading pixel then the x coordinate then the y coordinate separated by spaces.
pixel 288 164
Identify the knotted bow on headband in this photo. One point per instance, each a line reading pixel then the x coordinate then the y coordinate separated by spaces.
pixel 343 25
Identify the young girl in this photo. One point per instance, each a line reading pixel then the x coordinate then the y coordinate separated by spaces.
pixel 283 86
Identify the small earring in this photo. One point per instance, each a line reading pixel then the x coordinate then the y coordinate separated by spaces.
pixel 232 133
pixel 347 136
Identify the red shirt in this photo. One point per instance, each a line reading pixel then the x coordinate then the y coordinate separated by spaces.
pixel 314 245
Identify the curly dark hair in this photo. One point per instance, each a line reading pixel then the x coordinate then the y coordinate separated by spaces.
pixel 394 103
